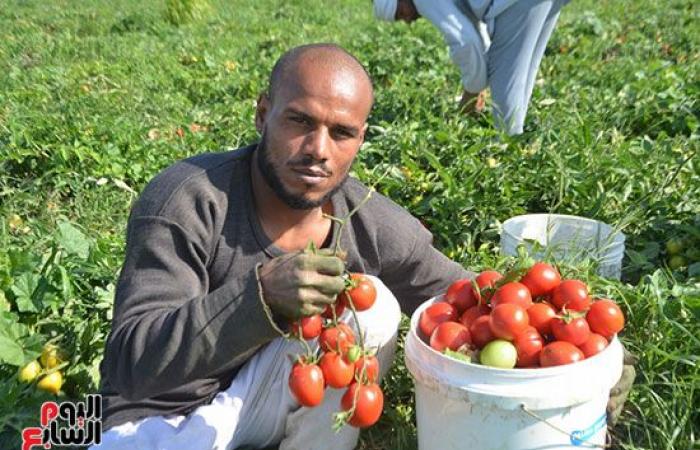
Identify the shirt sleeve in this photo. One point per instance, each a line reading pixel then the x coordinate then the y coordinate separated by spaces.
pixel 168 328
pixel 467 48
pixel 422 273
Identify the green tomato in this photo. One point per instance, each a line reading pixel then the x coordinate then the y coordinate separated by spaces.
pixel 676 262
pixel 499 353
pixel 674 246
pixel 28 373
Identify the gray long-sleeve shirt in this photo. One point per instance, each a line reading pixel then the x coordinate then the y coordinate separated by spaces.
pixel 187 311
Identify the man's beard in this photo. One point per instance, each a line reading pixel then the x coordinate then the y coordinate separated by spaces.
pixel 273 180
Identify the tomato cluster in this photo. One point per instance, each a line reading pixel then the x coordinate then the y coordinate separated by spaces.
pixel 538 320
pixel 341 362
pixel 46 369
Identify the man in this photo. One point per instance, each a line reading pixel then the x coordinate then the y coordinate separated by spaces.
pixel 215 265
pixel 494 43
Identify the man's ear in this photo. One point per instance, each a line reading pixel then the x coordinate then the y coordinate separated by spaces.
pixel 261 110
pixel 362 133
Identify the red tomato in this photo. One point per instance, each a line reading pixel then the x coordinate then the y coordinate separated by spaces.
pixel 558 353
pixel 575 331
pixel 434 315
pixel 310 327
pixel 508 320
pixel 363 294
pixel 368 400
pixel 541 279
pixel 462 295
pixel 337 371
pixel 594 345
pixel 541 315
pixel 572 295
pixel 338 338
pixel 450 335
pixel 514 293
pixel 306 384
pixel 486 281
pixel 470 315
pixel 605 318
pixel 367 369
pixel 528 344
pixel 480 331
pixel 339 306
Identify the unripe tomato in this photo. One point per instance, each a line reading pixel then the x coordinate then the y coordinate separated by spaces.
pixel 572 295
pixel 529 344
pixel 480 331
pixel 306 384
pixel 573 330
pixel 51 383
pixel 508 320
pixel 28 373
pixel 540 316
pixel 499 353
pixel 368 400
pixel 50 356
pixel 364 294
pixel 450 335
pixel 311 326
pixel 337 338
pixel 677 261
pixel 470 315
pixel 594 345
pixel 541 279
pixel 434 315
pixel 605 318
pixel 558 353
pixel 514 293
pixel 674 246
pixel 337 370
pixel 462 295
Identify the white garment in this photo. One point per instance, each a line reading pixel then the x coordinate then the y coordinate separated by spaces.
pixel 257 409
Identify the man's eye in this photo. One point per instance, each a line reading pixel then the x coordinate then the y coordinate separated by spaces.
pixel 299 119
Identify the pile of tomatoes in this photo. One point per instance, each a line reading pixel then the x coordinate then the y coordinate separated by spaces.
pixel 539 320
pixel 342 363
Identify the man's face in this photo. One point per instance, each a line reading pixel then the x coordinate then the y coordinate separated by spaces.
pixel 311 131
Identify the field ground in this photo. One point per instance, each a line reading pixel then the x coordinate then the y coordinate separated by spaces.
pixel 97 97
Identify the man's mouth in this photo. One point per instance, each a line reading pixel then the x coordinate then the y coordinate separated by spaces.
pixel 312 176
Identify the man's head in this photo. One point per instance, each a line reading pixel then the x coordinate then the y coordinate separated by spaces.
pixel 391 10
pixel 312 122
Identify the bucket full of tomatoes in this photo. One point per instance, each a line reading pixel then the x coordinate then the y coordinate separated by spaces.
pixel 566 238
pixel 514 362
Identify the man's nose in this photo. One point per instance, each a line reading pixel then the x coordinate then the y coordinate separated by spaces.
pixel 317 144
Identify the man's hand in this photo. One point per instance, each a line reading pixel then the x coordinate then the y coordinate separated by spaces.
pixel 302 283
pixel 619 392
pixel 472 104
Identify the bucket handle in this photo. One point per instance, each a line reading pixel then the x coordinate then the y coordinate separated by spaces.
pixel 590 444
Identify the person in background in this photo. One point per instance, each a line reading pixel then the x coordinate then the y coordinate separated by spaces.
pixel 496 44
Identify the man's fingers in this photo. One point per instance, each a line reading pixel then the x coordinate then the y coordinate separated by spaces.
pixel 327 265
pixel 629 358
pixel 626 381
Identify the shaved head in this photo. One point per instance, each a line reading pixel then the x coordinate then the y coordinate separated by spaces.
pixel 317 57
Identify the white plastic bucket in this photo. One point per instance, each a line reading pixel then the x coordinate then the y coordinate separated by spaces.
pixel 468 406
pixel 566 238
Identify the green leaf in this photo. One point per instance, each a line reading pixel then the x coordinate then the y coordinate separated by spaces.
pixel 694 269
pixel 4 303
pixel 73 240
pixel 23 289
pixel 17 346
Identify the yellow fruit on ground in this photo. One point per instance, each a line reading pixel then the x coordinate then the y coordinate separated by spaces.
pixel 51 383
pixel 28 373
pixel 50 357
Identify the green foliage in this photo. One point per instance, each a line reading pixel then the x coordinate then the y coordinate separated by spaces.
pixel 98 97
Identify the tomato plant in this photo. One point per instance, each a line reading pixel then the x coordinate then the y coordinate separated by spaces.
pixel 486 281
